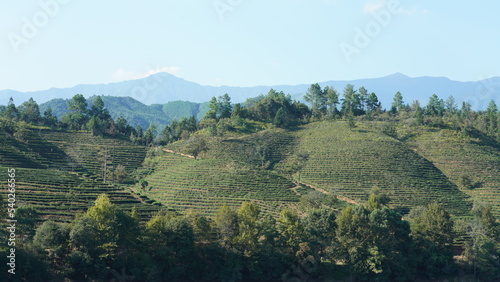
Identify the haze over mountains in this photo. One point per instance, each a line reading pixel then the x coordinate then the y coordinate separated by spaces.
pixel 163 87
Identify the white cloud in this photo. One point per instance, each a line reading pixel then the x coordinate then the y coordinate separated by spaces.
pixel 373 7
pixel 121 74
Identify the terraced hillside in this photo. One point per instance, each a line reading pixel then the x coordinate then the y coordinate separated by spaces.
pixel 353 162
pixel 265 149
pixel 205 184
pixel 92 154
pixel 458 158
pixel 59 185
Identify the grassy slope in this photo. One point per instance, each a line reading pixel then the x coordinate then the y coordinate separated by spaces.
pixel 61 172
pixel 353 162
pixel 205 184
pixel 456 156
pixel 347 162
pixel 59 184
pixel 230 172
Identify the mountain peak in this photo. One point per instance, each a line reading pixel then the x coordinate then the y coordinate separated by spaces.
pixel 397 75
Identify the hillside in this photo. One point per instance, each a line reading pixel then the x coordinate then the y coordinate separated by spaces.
pixel 205 185
pixel 61 173
pixel 67 169
pixel 353 162
pixel 350 163
pixel 476 159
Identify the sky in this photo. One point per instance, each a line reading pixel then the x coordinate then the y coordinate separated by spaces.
pixel 62 43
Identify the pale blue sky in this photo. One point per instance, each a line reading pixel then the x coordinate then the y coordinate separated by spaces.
pixel 244 42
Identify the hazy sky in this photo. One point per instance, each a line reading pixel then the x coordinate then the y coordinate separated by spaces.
pixel 56 43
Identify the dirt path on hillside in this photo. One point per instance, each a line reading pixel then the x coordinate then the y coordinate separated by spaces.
pixel 345 199
pixel 180 154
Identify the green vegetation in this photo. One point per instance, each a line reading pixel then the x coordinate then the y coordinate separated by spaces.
pixel 351 163
pixel 264 190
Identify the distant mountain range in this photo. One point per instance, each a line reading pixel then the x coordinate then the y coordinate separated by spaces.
pixel 162 88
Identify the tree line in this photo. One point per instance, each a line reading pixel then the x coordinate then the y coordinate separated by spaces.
pixel 276 108
pixel 366 242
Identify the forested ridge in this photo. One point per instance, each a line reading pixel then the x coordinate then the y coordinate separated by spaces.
pixel 272 189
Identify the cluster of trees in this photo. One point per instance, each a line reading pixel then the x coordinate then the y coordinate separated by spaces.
pixel 354 102
pixel 28 112
pixel 446 113
pixel 81 116
pixel 275 108
pixel 368 242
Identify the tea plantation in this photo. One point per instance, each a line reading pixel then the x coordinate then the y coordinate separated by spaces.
pixel 472 164
pixel 60 173
pixel 354 162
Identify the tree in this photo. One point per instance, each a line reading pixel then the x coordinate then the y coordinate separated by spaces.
pixel 376 201
pixel 224 108
pixel 363 97
pixel 492 108
pixel 98 109
pixel 226 223
pixel 12 112
pixel 123 127
pixel 212 106
pixel 51 235
pixel 120 173
pixel 332 99
pixel 280 118
pixel 290 230
pixel 26 217
pixel 432 231
pixel 94 126
pixel 143 184
pixel 103 212
pixel 351 103
pixel 419 116
pixel 49 118
pixel 397 101
pixel 451 106
pixel 30 112
pixel 248 227
pixel 317 98
pixel 78 104
pixel 195 146
pixel 320 225
pixel 375 244
pixel 435 106
pixel 353 234
pixel 372 103
pixel 482 249
pixel 78 115
pixel 170 244
pixel 150 135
